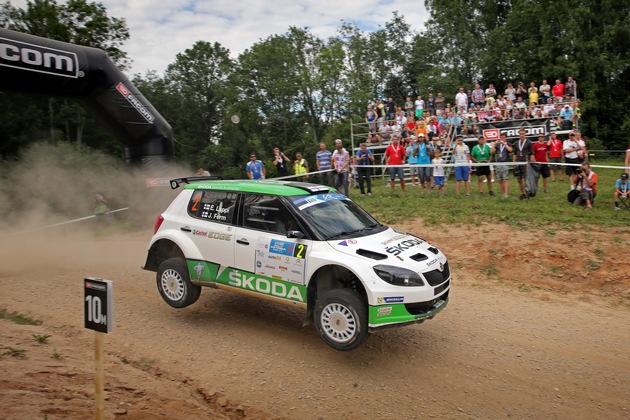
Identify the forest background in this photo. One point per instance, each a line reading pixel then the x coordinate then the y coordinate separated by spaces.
pixel 294 90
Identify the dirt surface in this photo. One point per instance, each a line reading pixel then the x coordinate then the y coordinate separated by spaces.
pixel 537 327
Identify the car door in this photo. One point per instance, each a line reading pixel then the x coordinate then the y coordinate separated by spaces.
pixel 212 214
pixel 262 247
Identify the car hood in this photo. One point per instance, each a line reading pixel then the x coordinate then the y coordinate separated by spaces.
pixel 392 247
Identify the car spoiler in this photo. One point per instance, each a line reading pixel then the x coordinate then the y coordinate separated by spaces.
pixel 189 180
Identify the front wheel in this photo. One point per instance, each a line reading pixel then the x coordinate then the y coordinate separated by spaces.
pixel 173 282
pixel 341 319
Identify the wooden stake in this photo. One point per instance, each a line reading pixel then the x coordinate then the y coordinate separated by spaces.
pixel 99 376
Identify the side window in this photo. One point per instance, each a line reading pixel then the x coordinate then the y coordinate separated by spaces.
pixel 215 206
pixel 267 212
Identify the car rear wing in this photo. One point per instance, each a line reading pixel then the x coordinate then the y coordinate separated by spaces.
pixel 189 180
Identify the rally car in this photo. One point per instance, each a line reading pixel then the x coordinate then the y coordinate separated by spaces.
pixel 298 244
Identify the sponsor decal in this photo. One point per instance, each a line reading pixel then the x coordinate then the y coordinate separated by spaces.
pixel 441 267
pixel 402 246
pixel 120 87
pixel 258 264
pixel 394 238
pixel 287 259
pixel 430 263
pixel 343 243
pixel 491 134
pixel 384 311
pixel 30 57
pixel 274 257
pixel 265 286
pixel 95 286
pixel 281 247
pixel 296 272
pixel 283 268
pixel 352 241
pixel 199 232
pixel 271 267
pixel 394 299
pixel 157 182
pixel 198 269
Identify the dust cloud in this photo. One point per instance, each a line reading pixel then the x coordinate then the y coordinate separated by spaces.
pixel 52 185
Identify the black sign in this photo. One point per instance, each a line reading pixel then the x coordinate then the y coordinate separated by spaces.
pixel 98 305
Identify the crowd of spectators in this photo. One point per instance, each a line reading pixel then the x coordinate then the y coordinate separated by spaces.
pixel 436 116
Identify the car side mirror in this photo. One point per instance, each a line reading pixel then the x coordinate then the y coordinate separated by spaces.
pixel 295 234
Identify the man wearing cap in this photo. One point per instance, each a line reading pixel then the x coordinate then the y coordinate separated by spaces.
pixel 587 181
pixel 395 155
pixel 622 189
pixel 570 148
pixel 363 158
pixel 565 122
pixel 341 161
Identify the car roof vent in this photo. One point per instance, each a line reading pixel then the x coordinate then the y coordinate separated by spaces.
pixel 419 257
pixel 311 188
pixel 371 254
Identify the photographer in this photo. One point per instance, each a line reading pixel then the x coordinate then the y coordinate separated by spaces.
pixel 280 160
pixel 587 183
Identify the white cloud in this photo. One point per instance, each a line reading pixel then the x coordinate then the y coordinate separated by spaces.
pixel 160 29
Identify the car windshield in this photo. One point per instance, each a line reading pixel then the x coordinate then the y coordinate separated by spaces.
pixel 334 215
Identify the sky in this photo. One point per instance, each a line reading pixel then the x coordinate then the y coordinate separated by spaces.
pixel 160 29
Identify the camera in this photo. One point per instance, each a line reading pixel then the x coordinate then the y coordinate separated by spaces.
pixel 579 171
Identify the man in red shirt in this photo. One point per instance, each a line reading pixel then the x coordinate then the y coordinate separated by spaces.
pixel 395 155
pixel 540 149
pixel 555 156
pixel 558 91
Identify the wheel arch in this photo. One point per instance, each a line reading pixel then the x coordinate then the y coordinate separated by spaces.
pixel 328 277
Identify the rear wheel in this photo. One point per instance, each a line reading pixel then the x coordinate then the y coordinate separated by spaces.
pixel 173 282
pixel 341 319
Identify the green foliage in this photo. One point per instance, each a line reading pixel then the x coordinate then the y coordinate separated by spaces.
pixel 13 352
pixel 41 338
pixel 18 318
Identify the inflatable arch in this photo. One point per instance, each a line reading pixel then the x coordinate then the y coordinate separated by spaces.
pixel 38 65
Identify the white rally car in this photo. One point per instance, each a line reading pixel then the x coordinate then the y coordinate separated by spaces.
pixel 298 244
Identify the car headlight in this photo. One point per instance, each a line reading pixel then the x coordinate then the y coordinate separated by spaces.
pixel 398 276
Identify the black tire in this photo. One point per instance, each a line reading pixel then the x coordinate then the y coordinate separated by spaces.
pixel 341 319
pixel 173 282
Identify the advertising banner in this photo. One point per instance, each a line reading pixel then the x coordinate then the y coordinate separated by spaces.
pixel 533 127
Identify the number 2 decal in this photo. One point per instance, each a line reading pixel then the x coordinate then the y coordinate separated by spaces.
pixel 299 251
pixel 194 206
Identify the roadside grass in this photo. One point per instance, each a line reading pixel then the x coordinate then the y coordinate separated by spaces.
pixel 546 211
pixel 18 318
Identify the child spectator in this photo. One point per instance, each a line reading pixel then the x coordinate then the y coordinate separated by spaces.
pixel 438 171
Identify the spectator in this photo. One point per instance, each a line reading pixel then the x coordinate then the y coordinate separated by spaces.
pixel 341 161
pixel 280 160
pixel 587 181
pixel 481 154
pixel 384 133
pixel 510 92
pixel 532 92
pixel 570 148
pixel 621 190
pixel 491 92
pixel 425 153
pixel 627 164
pixel 522 153
pixel 582 153
pixel 255 168
pixel 558 91
pixel 419 104
pixel 411 152
pixel 555 156
pixel 363 158
pixel 409 107
pixel 462 165
pixel 431 104
pixel 521 106
pixel 541 151
pixel 544 91
pixel 379 108
pixel 300 168
pixel 370 119
pixel 323 162
pixel 439 102
pixel 571 89
pixel 376 138
pixel 478 95
pixel 501 150
pixel 395 155
pixel 521 92
pixel 438 171
pixel 202 172
pixel 565 122
pixel 461 100
pixel 391 109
